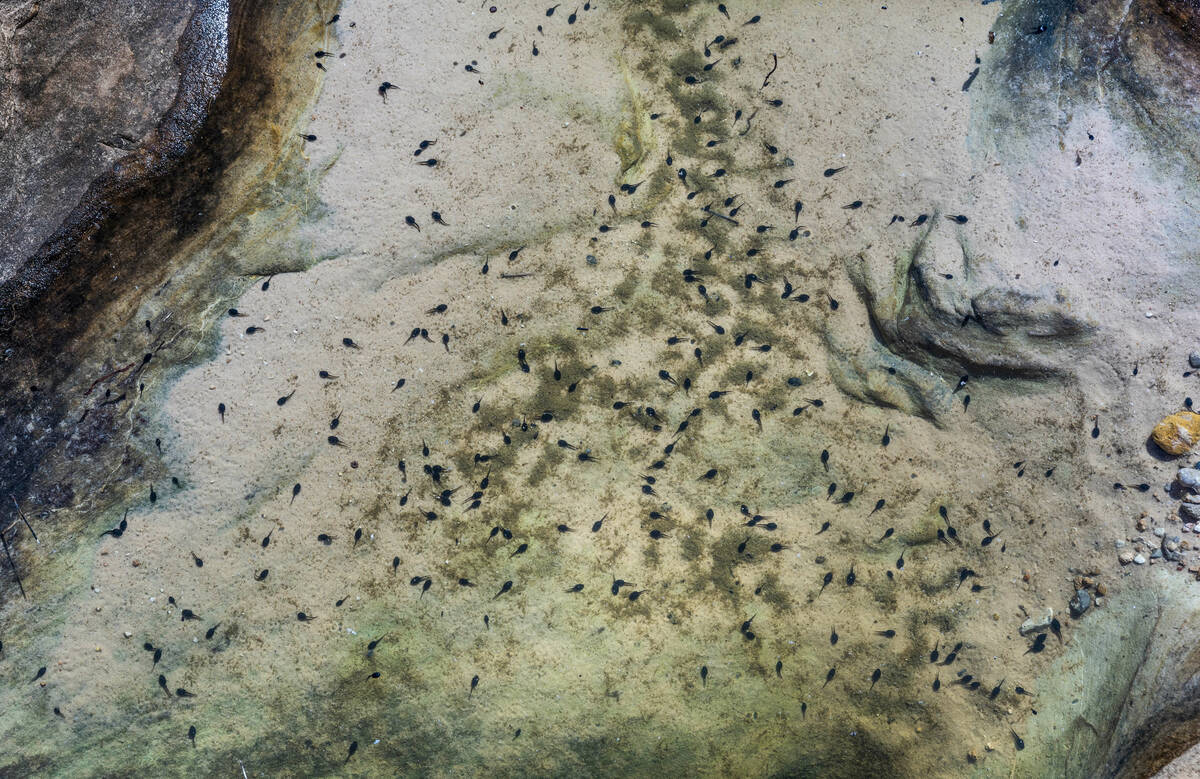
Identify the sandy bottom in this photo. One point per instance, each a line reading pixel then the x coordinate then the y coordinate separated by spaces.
pixel 568 391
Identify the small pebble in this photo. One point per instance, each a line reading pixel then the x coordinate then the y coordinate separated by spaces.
pixel 1138 559
pixel 1080 603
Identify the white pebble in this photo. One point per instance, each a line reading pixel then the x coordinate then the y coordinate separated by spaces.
pixel 1139 559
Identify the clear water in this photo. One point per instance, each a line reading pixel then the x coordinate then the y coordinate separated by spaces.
pixel 840 362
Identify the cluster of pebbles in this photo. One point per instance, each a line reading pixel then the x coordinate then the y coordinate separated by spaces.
pixel 1167 543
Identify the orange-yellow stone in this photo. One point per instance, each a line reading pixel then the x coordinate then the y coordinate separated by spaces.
pixel 1177 433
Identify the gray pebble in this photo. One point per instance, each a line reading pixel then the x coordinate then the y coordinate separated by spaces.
pixel 1080 603
pixel 1194 359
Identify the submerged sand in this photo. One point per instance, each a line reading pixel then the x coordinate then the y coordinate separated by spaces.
pixel 588 682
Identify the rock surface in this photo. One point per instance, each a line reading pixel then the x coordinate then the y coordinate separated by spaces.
pixel 66 119
pixel 1177 433
pixel 1037 622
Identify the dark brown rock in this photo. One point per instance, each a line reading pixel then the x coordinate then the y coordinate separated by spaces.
pixel 85 83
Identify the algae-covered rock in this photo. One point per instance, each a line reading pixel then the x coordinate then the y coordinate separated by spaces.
pixel 1177 433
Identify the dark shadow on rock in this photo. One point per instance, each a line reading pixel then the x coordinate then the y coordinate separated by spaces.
pixel 1155 451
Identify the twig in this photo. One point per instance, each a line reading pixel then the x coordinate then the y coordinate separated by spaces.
pixel 108 376
pixel 25 518
pixel 16 573
pixel 771 72
pixel 708 210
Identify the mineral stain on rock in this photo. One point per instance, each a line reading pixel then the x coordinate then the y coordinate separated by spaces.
pixel 1177 433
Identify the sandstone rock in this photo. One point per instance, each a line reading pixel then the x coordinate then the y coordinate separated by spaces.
pixel 1177 433
pixel 1037 622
